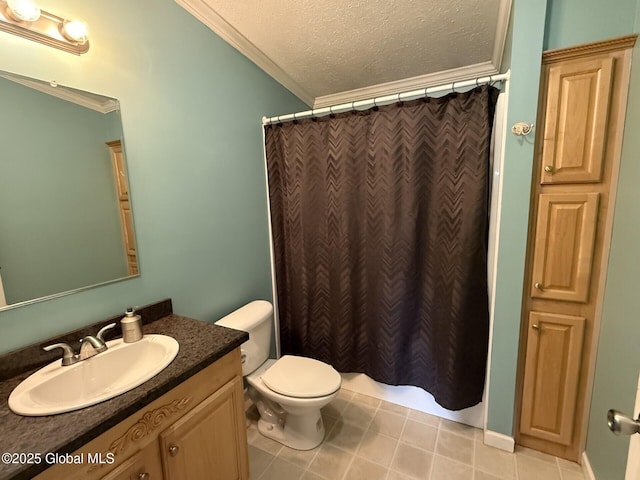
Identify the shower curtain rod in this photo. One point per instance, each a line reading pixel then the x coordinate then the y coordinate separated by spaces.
pixel 386 99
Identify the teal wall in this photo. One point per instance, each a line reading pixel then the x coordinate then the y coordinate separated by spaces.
pixel 525 58
pixel 60 226
pixel 191 109
pixel 618 361
pixel 572 22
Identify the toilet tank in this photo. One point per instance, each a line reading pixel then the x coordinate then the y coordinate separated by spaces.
pixel 255 318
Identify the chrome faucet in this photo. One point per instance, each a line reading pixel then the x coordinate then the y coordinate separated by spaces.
pixel 89 347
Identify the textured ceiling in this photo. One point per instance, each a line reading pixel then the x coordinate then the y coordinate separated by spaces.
pixel 322 48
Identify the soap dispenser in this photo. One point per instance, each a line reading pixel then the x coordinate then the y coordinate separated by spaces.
pixel 131 326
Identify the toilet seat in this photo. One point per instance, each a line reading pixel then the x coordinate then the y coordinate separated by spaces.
pixel 301 377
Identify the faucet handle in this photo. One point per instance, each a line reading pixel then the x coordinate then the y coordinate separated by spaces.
pixel 68 357
pixel 101 332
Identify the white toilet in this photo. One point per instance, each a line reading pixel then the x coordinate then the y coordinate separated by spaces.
pixel 288 392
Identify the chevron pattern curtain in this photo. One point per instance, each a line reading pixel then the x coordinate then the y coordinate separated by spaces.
pixel 380 234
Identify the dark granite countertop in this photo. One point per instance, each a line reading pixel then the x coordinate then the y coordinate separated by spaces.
pixel 201 344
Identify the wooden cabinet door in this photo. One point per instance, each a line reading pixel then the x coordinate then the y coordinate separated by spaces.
pixel 143 465
pixel 563 246
pixel 552 370
pixel 119 169
pixel 576 118
pixel 210 441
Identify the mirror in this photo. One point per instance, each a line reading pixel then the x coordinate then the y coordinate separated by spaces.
pixel 65 216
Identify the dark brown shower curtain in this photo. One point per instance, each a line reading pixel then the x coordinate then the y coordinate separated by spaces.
pixel 380 234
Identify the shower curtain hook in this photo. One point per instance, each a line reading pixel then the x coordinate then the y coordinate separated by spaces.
pixel 453 87
pixel 375 105
pixel 294 119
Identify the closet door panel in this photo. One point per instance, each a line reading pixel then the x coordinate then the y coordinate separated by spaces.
pixel 553 356
pixel 563 248
pixel 576 119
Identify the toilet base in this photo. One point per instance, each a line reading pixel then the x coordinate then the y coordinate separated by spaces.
pixel 300 432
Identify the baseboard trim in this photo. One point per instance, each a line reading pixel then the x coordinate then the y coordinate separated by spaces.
pixel 586 467
pixel 499 441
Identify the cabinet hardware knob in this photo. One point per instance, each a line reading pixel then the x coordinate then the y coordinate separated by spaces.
pixel 535 326
pixel 173 450
pixel 538 286
pixel 548 168
pixel 143 476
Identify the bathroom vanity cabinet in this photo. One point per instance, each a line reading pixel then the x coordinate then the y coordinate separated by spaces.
pixel 196 430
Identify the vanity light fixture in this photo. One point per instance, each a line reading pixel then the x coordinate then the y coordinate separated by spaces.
pixel 25 19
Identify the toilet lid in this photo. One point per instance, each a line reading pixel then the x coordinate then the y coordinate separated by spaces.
pixel 301 377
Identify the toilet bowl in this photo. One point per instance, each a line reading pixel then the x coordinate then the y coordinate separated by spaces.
pixel 288 392
pixel 298 423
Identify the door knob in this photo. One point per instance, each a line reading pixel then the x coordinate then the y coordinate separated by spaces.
pixel 143 476
pixel 548 168
pixel 173 450
pixel 535 326
pixel 620 424
pixel 538 286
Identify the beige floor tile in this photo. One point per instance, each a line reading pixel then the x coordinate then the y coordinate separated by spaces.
pixel 543 457
pixel 365 400
pixel 329 423
pixel 448 469
pixel 570 466
pixel 494 461
pixel 459 428
pixel 425 418
pixel 393 475
pixel 266 444
pixel 530 468
pixel 360 415
pixel 346 436
pixel 387 423
pixel 334 409
pixel 339 403
pixel 455 446
pixel 377 448
pixel 411 461
pixel 311 476
pixel 394 408
pixel 485 476
pixel 419 435
pixel 361 469
pixel 259 460
pixel 331 462
pixel 281 470
pixel 571 475
pixel 300 458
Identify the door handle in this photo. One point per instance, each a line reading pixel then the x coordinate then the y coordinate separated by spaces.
pixel 620 424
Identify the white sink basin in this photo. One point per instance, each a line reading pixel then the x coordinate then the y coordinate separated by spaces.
pixel 57 389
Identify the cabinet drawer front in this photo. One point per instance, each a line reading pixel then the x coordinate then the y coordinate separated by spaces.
pixel 576 118
pixel 552 371
pixel 563 250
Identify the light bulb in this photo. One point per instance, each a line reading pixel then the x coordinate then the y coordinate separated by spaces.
pixel 23 10
pixel 74 30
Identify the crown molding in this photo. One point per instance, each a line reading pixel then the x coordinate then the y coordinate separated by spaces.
pixel 414 83
pixel 233 37
pixel 504 12
pixel 87 100
pixel 605 46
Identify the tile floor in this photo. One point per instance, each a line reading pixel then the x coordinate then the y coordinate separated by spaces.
pixel 371 439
